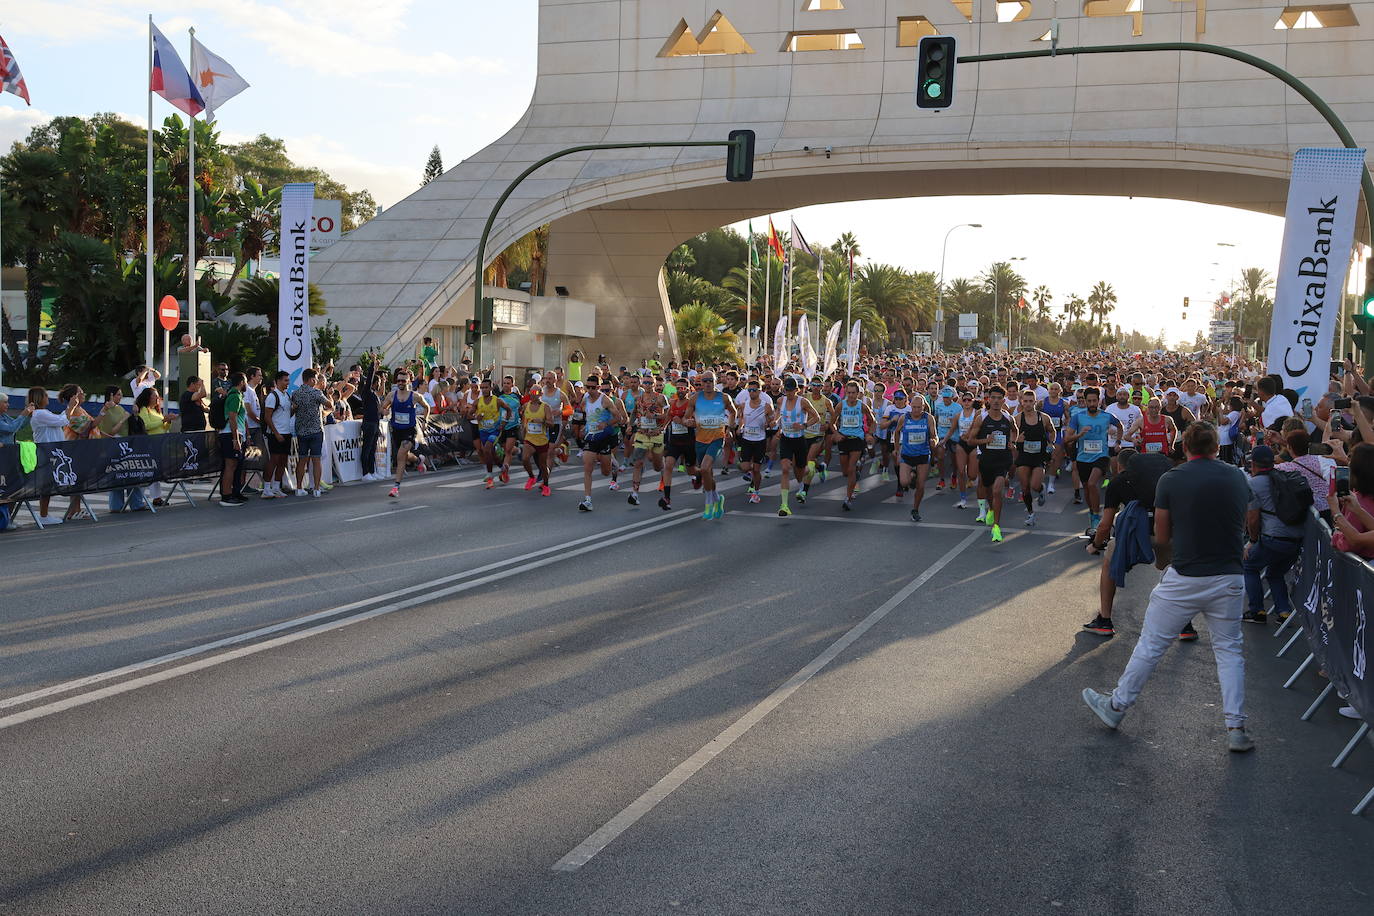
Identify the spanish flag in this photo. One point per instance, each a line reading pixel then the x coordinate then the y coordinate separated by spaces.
pixel 774 242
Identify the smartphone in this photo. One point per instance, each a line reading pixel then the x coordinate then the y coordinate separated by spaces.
pixel 1337 369
pixel 1342 481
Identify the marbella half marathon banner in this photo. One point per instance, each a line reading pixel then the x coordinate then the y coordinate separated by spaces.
pixel 1335 592
pixel 1318 230
pixel 293 302
pixel 91 465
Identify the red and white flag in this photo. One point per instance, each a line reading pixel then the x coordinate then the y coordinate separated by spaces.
pixel 214 78
pixel 169 78
pixel 11 80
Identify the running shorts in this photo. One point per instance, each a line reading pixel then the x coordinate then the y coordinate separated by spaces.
pixel 751 451
pixel 915 461
pixel 488 436
pixel 1085 468
pixel 988 474
pixel 851 444
pixel 280 446
pixel 1036 460
pixel 651 444
pixel 794 449
pixel 709 449
pixel 401 435
pixel 681 447
pixel 602 445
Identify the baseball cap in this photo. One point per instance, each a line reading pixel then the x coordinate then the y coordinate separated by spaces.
pixel 1173 391
pixel 1262 456
pixel 946 392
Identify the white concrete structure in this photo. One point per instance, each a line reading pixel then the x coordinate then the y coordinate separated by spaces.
pixel 840 74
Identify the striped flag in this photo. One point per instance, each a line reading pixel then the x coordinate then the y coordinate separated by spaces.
pixel 774 242
pixel 753 252
pixel 169 78
pixel 799 240
pixel 11 80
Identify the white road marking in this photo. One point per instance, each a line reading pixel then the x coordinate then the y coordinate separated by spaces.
pixel 588 848
pixel 363 518
pixel 914 526
pixel 77 684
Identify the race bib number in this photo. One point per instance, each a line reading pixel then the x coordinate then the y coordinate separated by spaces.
pixel 578 415
pixel 753 432
pixel 997 441
pixel 535 428
pixel 709 422
pixel 1092 447
pixel 1031 448
pixel 679 429
pixel 648 426
pixel 488 424
pixel 1154 447
pixel 796 427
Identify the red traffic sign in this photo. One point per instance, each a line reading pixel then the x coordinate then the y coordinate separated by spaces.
pixel 169 313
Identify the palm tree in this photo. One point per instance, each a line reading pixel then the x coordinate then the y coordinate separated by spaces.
pixel 519 256
pixel 257 212
pixel 767 278
pixel 1102 301
pixel 259 296
pixel 846 245
pixel 684 288
pixel 1074 309
pixel 32 224
pixel 702 335
pixel 1256 309
pixel 1042 297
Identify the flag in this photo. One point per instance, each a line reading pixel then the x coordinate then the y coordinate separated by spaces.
pixel 853 346
pixel 11 80
pixel 1021 302
pixel 786 269
pixel 753 252
pixel 780 355
pixel 832 342
pixel 774 242
pixel 804 347
pixel 170 79
pixel 799 240
pixel 217 81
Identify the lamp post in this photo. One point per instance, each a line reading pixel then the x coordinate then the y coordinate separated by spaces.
pixel 995 280
pixel 1236 311
pixel 940 295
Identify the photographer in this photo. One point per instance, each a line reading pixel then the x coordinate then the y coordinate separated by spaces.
pixel 1355 522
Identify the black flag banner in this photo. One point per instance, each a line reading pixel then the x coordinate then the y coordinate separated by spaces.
pixel 1335 592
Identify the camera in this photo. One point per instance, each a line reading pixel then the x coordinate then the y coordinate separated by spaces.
pixel 1341 403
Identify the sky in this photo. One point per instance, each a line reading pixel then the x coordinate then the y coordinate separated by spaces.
pixel 383 81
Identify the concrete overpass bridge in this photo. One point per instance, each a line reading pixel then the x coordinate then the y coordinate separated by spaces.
pixel 838 75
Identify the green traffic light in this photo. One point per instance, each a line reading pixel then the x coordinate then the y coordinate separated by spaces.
pixel 934 90
pixel 1369 307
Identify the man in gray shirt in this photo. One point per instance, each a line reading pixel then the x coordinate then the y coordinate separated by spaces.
pixel 1200 513
pixel 1274 545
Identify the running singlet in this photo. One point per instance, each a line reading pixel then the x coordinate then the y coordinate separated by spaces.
pixel 915 435
pixel 676 411
pixel 945 416
pixel 1034 436
pixel 822 406
pixel 852 420
pixel 536 431
pixel 554 402
pixel 599 417
pixel 998 433
pixel 965 424
pixel 752 426
pixel 403 412
pixel 647 421
pixel 794 419
pixel 895 418
pixel 512 400
pixel 710 414
pixel 630 399
pixel 488 412
pixel 1154 437
pixel 1055 412
pixel 1092 444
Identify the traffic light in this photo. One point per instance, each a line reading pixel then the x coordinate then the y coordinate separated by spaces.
pixel 1185 308
pixel 935 72
pixel 488 325
pixel 739 156
pixel 474 331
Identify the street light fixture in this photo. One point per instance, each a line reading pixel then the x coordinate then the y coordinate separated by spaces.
pixel 994 306
pixel 940 296
pixel 1235 308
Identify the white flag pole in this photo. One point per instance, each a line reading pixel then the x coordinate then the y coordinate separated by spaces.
pixel 849 308
pixel 148 237
pixel 191 208
pixel 820 280
pixel 748 296
pixel 767 284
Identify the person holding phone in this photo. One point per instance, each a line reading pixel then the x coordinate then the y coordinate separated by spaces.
pixel 1354 523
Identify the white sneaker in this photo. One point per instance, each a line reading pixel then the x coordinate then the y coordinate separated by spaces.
pixel 317 492
pixel 1349 712
pixel 47 520
pixel 1049 487
pixel 300 491
pixel 961 504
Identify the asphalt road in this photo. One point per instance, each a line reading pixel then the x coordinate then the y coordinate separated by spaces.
pixel 503 705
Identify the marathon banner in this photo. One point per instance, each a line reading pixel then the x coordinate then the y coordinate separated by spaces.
pixel 293 299
pixel 343 443
pixel 1331 591
pixel 1318 229
pixel 438 437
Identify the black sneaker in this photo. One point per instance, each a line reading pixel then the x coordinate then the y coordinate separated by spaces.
pixel 1100 625
pixel 1187 634
pixel 664 504
pixel 634 499
pixel 1078 497
pixel 915 516
pixel 1255 617
pixel 1280 616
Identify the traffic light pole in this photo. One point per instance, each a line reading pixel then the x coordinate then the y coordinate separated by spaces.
pixel 736 149
pixel 1297 85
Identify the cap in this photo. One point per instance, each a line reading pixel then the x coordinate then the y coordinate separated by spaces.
pixel 1125 391
pixel 789 383
pixel 1262 456
pixel 899 393
pixel 1173 391
pixel 578 384
pixel 946 392
pixel 536 377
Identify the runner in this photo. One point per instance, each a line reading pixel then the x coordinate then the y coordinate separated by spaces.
pixel 535 417
pixel 756 416
pixel 993 432
pixel 602 413
pixel 816 435
pixel 916 437
pixel 711 413
pixel 1033 443
pixel 1055 406
pixel 890 419
pixel 648 437
pixel 1089 430
pixel 491 415
pixel 510 436
pixel 946 412
pixel 796 416
pixel 854 419
pixel 965 457
pixel 403 412
pixel 680 445
pixel 552 397
pixel 1154 433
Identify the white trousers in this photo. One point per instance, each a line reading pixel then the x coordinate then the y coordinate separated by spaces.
pixel 1174 602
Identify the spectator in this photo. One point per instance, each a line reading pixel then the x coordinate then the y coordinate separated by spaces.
pixel 1274 407
pixel 1200 512
pixel 154 423
pixel 11 425
pixel 144 377
pixel 1274 544
pixel 221 380
pixel 1314 469
pixel 231 438
pixel 308 402
pixel 191 346
pixel 50 426
pixel 369 394
pixel 253 402
pixel 112 423
pixel 192 405
pixel 429 353
pixel 1355 522
pixel 280 429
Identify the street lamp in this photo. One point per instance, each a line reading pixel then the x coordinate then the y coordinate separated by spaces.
pixel 995 278
pixel 1235 312
pixel 940 296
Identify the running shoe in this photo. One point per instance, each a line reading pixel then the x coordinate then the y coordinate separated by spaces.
pixel 1101 704
pixel 709 510
pixel 1040 497
pixel 395 491
pixel 1187 634
pixel 754 496
pixel 491 482
pixel 681 468
pixel 767 472
pixel 846 506
pixel 1238 740
pixel 801 497
pixel 887 478
pixel 1255 617
pixel 915 516
pixel 940 486
pixel 825 472
pixel 1078 497
pixel 900 493
pixel 624 467
pixel 997 534
pixel 1030 519
pixel 634 498
pixel 664 504
pixel 1049 487
pixel 529 484
pixel 1100 625
pixel 783 512
pixel 505 475
pixel 720 505
pixel 961 504
pixel 545 491
pixel 585 505
pixel 990 519
pixel 615 485
pixel 748 476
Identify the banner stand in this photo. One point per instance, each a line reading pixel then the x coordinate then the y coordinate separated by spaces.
pixel 176 485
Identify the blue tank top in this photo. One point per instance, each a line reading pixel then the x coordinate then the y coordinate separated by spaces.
pixel 945 415
pixel 916 436
pixel 1054 411
pixel 1092 445
pixel 403 412
pixel 793 418
pixel 852 419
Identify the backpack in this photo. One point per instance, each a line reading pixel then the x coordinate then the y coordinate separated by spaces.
pixel 218 420
pixel 1292 496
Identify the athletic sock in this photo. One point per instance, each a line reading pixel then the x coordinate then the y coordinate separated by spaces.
pixel 982 507
pixel 785 493
pixel 668 492
pixel 1026 498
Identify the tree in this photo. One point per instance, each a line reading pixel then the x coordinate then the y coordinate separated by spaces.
pixel 846 245
pixel 265 159
pixel 682 259
pixel 702 335
pixel 328 343
pixel 715 252
pixel 260 296
pixel 684 289
pixel 31 224
pixel 257 212
pixel 434 167
pixel 1074 309
pixel 1042 297
pixel 1101 301
pixel 1255 307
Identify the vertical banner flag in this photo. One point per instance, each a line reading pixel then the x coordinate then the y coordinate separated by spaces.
pixel 799 240
pixel 832 345
pixel 803 347
pixel 11 80
pixel 169 78
pixel 1318 229
pixel 214 78
pixel 293 306
pixel 780 344
pixel 853 346
pixel 753 251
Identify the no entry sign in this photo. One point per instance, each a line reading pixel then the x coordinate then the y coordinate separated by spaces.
pixel 168 313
